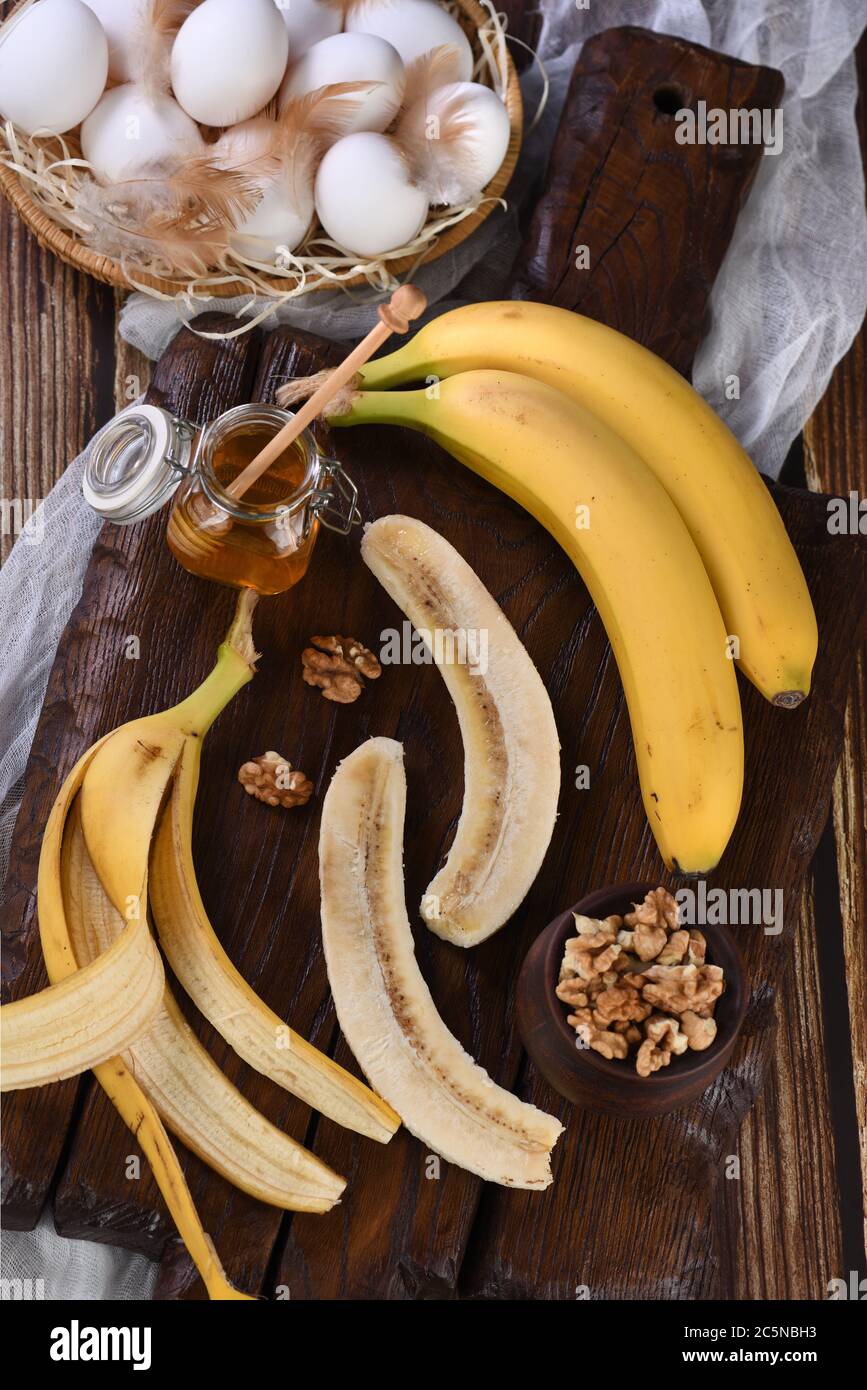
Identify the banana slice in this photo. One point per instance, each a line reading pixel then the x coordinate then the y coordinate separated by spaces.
pixel 511 747
pixel 197 1102
pixel 384 1006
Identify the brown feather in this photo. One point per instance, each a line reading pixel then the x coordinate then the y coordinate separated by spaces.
pixel 437 68
pixel 167 16
pixel 181 213
pixel 221 195
pixel 323 115
pixel 159 25
pixel 306 127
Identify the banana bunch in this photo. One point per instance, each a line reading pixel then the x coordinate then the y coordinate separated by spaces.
pixel 118 839
pixel 660 510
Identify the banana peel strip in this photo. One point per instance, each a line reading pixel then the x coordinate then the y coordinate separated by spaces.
pixel 121 1088
pixel 207 974
pixel 194 1098
pixel 87 1015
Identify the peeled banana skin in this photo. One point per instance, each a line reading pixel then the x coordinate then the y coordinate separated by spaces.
pixel 623 533
pixel 223 996
pixel 92 901
pixel 729 512
pixel 197 1102
pixel 121 1087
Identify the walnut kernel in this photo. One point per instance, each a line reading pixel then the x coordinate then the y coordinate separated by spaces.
pixel 273 779
pixel 338 666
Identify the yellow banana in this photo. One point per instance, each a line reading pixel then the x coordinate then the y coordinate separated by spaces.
pixel 221 993
pixel 729 512
pixel 622 531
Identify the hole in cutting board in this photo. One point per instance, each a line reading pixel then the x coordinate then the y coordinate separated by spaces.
pixel 669 99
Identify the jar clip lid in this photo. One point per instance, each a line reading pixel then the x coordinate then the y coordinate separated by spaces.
pixel 136 463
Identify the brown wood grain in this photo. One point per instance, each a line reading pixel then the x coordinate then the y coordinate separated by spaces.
pixel 655 217
pixel 132 370
pixel 56 353
pixel 836 462
pixel 779 1216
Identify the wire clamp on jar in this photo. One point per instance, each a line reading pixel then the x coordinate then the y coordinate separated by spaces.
pixel 334 501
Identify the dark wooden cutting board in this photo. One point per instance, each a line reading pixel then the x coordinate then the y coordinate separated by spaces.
pixel 628 1214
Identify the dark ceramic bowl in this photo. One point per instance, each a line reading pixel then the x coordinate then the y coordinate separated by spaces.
pixel 582 1075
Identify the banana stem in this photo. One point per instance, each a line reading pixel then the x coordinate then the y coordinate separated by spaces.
pixel 240 634
pixel 394 369
pixel 383 408
pixel 236 665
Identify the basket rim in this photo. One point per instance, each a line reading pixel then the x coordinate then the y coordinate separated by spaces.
pixel 108 270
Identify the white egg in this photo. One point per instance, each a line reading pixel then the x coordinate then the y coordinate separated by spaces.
pixel 283 215
pixel 53 66
pixel 243 142
pixel 129 132
pixel 122 21
pixel 490 130
pixel 280 220
pixel 414 27
pixel 473 132
pixel 364 197
pixel 352 58
pixel 229 59
pixel 307 22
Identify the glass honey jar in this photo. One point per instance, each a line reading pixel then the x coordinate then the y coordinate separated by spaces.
pixel 262 541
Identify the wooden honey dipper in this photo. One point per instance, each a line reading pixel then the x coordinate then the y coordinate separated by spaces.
pixel 406 304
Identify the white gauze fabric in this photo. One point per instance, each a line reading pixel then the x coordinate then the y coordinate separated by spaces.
pixel 788 301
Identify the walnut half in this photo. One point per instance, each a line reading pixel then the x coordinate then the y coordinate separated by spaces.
pixel 338 666
pixel 274 780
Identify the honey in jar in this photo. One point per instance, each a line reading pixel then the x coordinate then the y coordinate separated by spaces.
pixel 263 540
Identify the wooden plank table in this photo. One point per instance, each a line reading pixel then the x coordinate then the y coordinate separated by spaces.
pixel 795 1217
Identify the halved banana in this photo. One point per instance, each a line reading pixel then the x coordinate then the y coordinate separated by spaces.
pixel 383 1004
pixel 511 747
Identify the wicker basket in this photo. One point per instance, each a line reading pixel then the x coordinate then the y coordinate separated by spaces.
pixel 64 244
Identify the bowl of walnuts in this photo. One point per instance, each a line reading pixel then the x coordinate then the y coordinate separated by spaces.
pixel 627 1009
